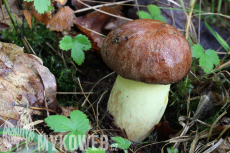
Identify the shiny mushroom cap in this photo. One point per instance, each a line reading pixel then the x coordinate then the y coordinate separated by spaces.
pixel 148 51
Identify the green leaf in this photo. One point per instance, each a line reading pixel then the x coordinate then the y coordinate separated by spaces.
pixel 121 143
pixel 59 123
pixel 213 56
pixel 42 6
pixel 222 42
pixel 154 10
pixel 144 15
pixel 74 139
pixel 95 150
pixel 80 43
pixel 66 43
pixel 197 50
pixel 77 46
pixel 160 18
pixel 43 142
pixel 80 121
pixel 29 0
pixel 206 62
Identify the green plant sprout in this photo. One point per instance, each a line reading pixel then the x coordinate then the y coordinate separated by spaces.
pixel 207 58
pixel 41 6
pixel 155 13
pixel 121 143
pixel 172 150
pixel 95 150
pixel 77 45
pixel 77 125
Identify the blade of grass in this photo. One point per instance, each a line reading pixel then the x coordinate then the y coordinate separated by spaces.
pixel 219 6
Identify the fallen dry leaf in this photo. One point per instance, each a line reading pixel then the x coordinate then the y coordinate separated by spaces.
pixel 63 19
pixel 43 18
pixel 77 5
pixel 27 15
pixel 3 26
pixel 25 79
pixel 24 82
pixel 164 132
pixel 97 21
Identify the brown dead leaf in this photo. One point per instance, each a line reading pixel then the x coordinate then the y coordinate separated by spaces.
pixel 77 5
pixel 43 18
pixel 63 20
pixel 67 110
pixel 164 132
pixel 96 21
pixel 27 15
pixel 28 5
pixel 7 103
pixel 3 26
pixel 27 79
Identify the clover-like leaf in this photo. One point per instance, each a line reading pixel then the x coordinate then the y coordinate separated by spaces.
pixel 154 10
pixel 144 15
pixel 77 46
pixel 80 121
pixel 197 50
pixel 208 60
pixel 59 123
pixel 42 6
pixel 121 143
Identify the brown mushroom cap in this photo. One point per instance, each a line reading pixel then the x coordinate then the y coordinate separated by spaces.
pixel 147 50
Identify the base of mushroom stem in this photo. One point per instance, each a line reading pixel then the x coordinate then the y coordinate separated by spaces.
pixel 137 107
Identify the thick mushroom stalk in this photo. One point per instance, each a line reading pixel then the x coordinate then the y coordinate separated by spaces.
pixel 137 107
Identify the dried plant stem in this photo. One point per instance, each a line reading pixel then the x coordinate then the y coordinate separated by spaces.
pixel 116 16
pixel 98 6
pixel 211 129
pixel 192 3
pixel 16 27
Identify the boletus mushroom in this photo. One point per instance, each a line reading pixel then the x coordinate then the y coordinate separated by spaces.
pixel 148 55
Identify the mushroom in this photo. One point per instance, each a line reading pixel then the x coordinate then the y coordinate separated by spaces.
pixel 148 55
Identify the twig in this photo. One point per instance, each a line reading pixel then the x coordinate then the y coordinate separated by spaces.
pixel 116 16
pixel 16 27
pixel 98 6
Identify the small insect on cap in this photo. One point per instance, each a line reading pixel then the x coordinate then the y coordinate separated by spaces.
pixel 147 50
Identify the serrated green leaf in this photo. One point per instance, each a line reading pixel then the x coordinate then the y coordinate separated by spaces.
pixel 77 54
pixel 160 18
pixel 144 15
pixel 41 6
pixel 79 120
pixel 74 139
pixel 222 42
pixel 121 143
pixel 80 43
pixel 206 62
pixel 197 50
pixel 95 150
pixel 154 10
pixel 213 56
pixel 66 43
pixel 59 123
